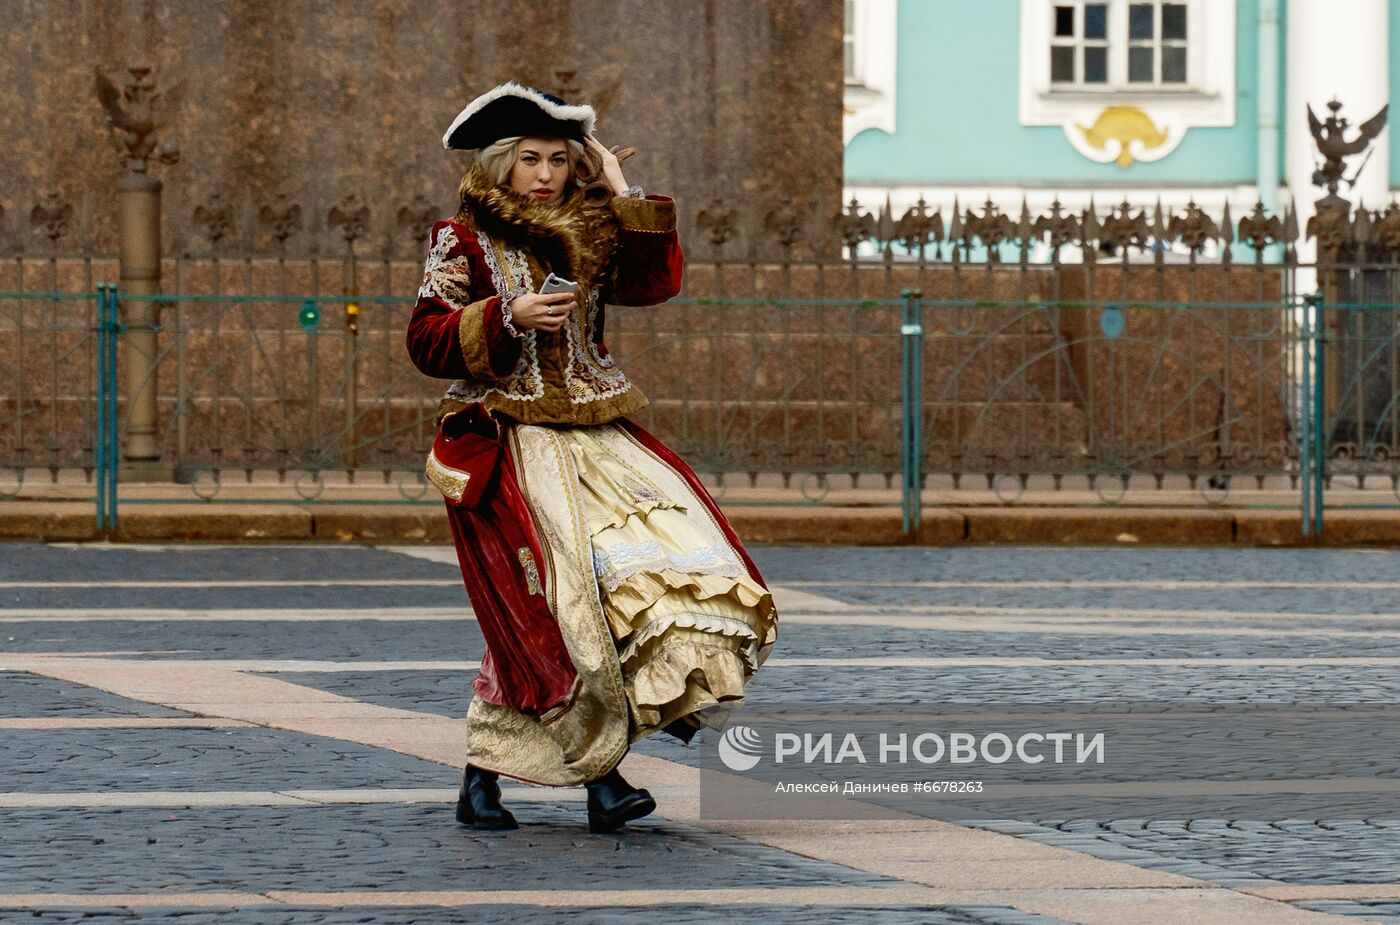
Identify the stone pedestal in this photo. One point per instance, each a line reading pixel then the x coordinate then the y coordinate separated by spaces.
pixel 139 228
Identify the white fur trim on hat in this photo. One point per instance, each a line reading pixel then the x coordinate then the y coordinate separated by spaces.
pixel 581 112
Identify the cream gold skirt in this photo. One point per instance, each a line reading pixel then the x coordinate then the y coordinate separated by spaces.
pixel 658 610
pixel 690 624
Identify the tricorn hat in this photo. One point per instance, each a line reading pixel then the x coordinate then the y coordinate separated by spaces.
pixel 512 109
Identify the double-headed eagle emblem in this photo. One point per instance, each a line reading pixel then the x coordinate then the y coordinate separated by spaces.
pixel 1332 144
pixel 132 116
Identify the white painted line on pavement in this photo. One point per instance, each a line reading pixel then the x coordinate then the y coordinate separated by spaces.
pixel 1126 584
pixel 256 614
pixel 362 796
pixel 785 598
pixel 792 586
pixel 270 583
pixel 883 897
pixel 121 722
pixel 126 799
pixel 223 899
pixel 1091 613
pixel 907 662
pixel 813 612
pixel 443 555
pixel 37 663
pixel 210 798
pixel 1088 626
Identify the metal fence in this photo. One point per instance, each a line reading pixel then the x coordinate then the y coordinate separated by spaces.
pixel 59 394
pixel 1005 395
pixel 1106 359
pixel 290 388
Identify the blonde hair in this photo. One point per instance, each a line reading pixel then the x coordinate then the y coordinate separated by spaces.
pixel 497 159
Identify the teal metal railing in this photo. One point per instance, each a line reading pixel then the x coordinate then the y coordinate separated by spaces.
pixel 1237 401
pixel 106 459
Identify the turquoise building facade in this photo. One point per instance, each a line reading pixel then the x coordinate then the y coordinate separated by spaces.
pixel 1034 100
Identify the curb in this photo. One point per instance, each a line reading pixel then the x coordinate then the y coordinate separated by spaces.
pixel 815 526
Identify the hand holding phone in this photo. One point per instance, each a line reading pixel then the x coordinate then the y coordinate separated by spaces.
pixel 554 283
pixel 547 309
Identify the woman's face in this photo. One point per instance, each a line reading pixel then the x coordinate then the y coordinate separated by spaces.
pixel 541 168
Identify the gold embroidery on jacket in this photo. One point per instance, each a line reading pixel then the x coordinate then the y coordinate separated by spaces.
pixel 589 376
pixel 451 482
pixel 510 277
pixel 564 379
pixel 532 573
pixel 446 278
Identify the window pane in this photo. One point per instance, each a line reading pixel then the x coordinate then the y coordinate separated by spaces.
pixel 1062 64
pixel 850 17
pixel 1174 64
pixel 1064 21
pixel 1096 20
pixel 1140 64
pixel 1140 21
pixel 1174 21
pixel 1095 65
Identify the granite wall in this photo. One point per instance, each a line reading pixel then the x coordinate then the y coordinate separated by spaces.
pixel 318 99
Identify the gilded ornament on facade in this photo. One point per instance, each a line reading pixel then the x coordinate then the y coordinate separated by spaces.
pixel 1125 125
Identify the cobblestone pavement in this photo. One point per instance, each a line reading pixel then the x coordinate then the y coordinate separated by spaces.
pixel 1382 913
pixel 778 914
pixel 315 800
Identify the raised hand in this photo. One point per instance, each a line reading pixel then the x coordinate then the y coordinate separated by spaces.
pixel 612 164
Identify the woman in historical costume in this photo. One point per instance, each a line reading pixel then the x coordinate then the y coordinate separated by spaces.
pixel 614 599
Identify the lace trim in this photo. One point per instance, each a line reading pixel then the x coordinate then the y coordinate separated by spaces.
pixel 706 622
pixel 604 364
pixel 507 317
pixel 526 382
pixel 621 562
pixel 590 376
pixel 446 278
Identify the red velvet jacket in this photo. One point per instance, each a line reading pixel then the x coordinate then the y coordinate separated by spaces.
pixel 503 244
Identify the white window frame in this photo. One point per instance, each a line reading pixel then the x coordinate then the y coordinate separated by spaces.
pixel 1118 43
pixel 1207 99
pixel 1078 43
pixel 869 97
pixel 851 52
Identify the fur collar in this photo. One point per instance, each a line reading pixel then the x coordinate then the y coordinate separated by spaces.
pixel 575 238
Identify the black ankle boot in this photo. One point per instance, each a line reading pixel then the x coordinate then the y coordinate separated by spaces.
pixel 479 802
pixel 612 801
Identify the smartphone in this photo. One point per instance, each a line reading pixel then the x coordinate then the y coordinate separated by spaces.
pixel 554 283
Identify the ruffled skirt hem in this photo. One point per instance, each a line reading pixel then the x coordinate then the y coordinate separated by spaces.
pixel 689 673
pixel 690 623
